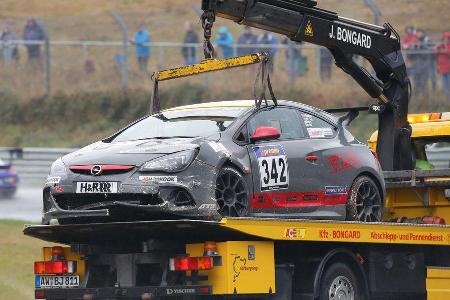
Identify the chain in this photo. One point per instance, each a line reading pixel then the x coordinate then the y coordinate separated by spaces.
pixel 208 18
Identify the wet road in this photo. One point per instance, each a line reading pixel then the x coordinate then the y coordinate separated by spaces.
pixel 25 205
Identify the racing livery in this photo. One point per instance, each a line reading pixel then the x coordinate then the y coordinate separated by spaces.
pixel 220 159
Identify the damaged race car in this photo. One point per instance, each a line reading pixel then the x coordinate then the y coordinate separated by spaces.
pixel 220 159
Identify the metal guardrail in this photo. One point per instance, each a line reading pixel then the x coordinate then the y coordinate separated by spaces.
pixel 35 162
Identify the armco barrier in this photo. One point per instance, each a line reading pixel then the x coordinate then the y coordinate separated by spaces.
pixel 34 163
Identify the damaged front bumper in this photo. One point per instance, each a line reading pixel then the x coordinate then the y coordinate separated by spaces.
pixel 138 198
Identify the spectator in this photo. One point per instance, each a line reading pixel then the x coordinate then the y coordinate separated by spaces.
pixel 189 52
pixel 142 49
pixel 225 41
pixel 326 63
pixel 443 58
pixel 408 43
pixel 10 51
pixel 269 39
pixel 296 63
pixel 247 39
pixel 420 61
pixel 33 32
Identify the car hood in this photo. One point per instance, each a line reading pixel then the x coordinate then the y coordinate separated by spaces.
pixel 129 152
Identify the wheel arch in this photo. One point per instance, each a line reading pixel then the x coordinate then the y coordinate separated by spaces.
pixel 345 256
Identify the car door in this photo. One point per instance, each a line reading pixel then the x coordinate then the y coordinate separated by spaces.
pixel 332 159
pixel 278 166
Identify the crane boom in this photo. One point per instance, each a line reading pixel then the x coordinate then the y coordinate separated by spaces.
pixel 301 20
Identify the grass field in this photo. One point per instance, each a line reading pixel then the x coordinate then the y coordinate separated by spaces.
pixel 17 254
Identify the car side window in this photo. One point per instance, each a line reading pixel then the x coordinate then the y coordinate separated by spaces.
pixel 318 128
pixel 284 119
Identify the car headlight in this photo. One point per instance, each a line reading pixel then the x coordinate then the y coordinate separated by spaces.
pixel 58 168
pixel 171 163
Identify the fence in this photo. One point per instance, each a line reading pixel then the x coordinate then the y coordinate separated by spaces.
pixel 34 164
pixel 104 64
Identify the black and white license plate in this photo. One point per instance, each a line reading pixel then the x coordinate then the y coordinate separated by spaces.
pixel 54 281
pixel 447 193
pixel 97 187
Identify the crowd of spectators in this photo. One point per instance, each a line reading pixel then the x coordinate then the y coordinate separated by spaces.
pixel 426 58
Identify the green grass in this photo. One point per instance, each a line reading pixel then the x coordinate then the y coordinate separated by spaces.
pixel 17 254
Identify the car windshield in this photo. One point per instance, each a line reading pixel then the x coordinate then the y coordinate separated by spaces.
pixel 182 123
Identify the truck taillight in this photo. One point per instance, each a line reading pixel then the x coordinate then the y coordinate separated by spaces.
pixel 191 263
pixel 54 267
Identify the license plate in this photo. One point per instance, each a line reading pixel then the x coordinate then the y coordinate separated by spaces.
pixel 53 281
pixel 96 187
pixel 447 193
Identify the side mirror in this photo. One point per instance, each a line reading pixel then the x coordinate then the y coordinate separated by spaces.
pixel 265 133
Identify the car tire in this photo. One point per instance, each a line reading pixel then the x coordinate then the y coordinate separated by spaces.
pixel 340 282
pixel 232 193
pixel 365 203
pixel 9 192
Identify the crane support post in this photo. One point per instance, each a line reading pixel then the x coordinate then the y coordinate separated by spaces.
pixel 301 20
pixel 209 65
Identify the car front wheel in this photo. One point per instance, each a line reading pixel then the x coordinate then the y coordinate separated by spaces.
pixel 232 193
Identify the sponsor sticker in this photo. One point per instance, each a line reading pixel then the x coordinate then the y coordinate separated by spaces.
pixel 218 147
pixel 316 132
pixel 273 167
pixel 208 207
pixel 159 179
pixel 53 180
pixel 295 233
pixel 336 190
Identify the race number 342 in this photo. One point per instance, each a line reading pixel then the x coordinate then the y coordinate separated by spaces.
pixel 273 167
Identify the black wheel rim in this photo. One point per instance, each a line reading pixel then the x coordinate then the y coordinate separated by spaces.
pixel 231 195
pixel 368 203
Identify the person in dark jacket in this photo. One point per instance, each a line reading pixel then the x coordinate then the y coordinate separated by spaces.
pixel 247 39
pixel 421 62
pixel 33 32
pixel 190 52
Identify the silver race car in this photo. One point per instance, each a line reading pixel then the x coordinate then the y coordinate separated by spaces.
pixel 220 159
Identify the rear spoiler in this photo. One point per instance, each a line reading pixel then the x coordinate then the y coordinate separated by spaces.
pixel 352 113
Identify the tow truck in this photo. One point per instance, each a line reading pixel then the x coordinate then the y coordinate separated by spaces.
pixel 249 258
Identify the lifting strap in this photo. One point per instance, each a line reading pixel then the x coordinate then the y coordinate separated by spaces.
pixel 263 76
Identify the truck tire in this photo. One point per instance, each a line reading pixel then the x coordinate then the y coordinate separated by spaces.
pixel 232 193
pixel 340 282
pixel 365 203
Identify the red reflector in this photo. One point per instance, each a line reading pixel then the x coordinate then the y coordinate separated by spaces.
pixel 53 267
pixel 203 290
pixel 39 294
pixel 191 263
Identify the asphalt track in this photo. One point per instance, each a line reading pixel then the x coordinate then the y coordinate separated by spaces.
pixel 26 205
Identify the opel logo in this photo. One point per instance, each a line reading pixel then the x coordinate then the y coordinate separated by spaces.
pixel 96 170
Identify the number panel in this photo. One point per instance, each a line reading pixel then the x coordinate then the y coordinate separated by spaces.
pixel 273 167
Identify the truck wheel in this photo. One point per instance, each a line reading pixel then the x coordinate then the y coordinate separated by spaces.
pixel 232 193
pixel 339 282
pixel 365 202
